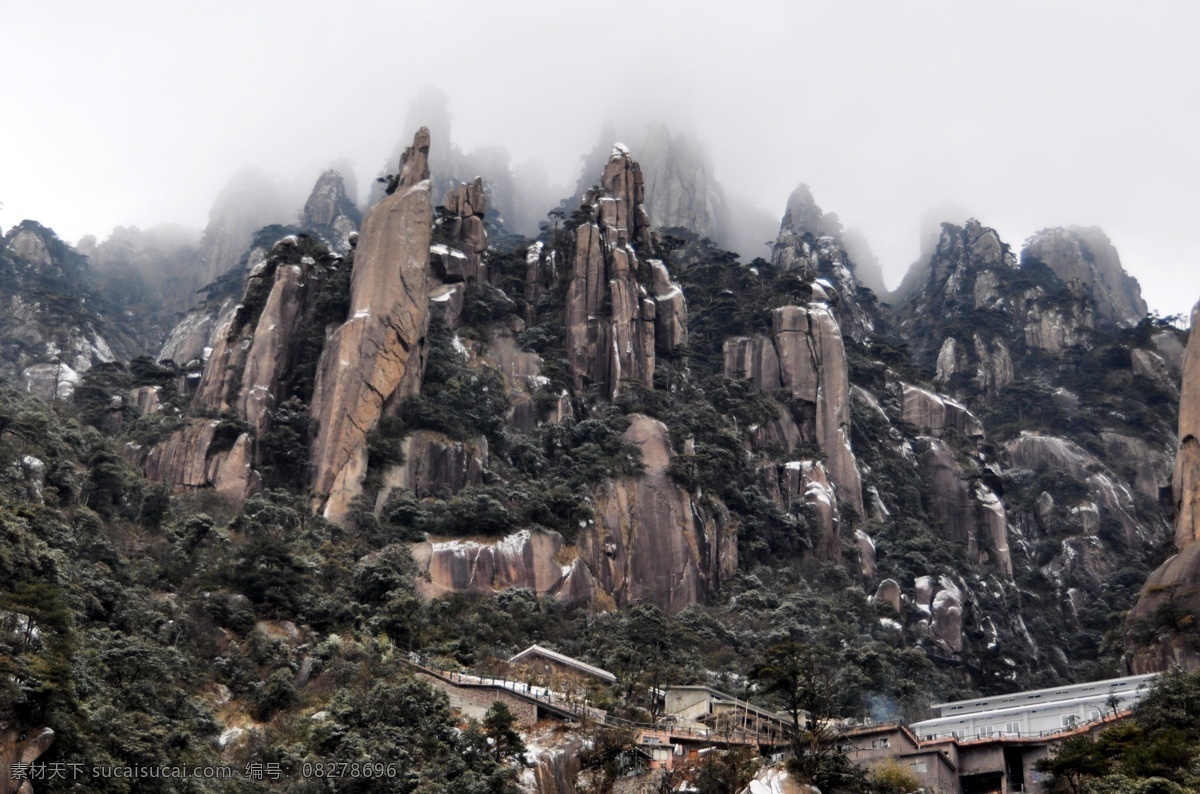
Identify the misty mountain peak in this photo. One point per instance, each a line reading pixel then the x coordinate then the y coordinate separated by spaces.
pixel 26 242
pixel 1085 259
pixel 330 212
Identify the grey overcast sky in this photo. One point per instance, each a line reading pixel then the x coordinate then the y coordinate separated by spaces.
pixel 1027 114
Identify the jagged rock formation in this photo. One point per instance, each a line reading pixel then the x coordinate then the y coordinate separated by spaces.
pixel 805 356
pixel 810 241
pixel 963 275
pixel 375 356
pixel 255 361
pixel 612 318
pixel 460 258
pixel 1086 261
pixel 330 213
pixel 650 541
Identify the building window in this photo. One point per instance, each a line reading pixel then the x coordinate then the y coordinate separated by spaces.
pixel 987 730
pixel 1013 728
pixel 1069 720
pixel 880 743
pixel 1093 715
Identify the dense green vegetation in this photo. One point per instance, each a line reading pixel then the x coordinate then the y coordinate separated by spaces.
pixel 156 628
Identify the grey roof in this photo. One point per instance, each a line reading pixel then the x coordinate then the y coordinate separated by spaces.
pixel 562 658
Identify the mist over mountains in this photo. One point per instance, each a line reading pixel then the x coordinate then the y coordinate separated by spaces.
pixel 832 367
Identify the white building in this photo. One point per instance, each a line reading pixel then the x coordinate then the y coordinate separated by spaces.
pixel 1034 713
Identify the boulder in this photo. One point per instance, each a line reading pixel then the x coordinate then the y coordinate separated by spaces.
pixel 1152 366
pixel 1171 589
pixel 376 355
pixel 947 621
pixel 20 745
pixel 866 554
pixel 888 593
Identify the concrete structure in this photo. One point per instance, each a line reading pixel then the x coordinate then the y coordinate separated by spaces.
pixel 873 746
pixel 549 662
pixel 1035 713
pixel 711 708
pixel 987 745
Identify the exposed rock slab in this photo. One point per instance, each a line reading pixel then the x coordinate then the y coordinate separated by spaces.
pixel 529 560
pixel 935 414
pixel 1186 481
pixel 649 541
pixel 375 356
pixel 434 463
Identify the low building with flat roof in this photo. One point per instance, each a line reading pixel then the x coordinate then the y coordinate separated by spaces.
pixel 1036 712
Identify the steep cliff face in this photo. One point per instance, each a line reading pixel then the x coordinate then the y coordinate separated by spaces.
pixel 1087 262
pixel 258 360
pixel 1159 626
pixel 805 356
pixel 968 513
pixel 1186 483
pixel 650 541
pixel 375 356
pixel 611 315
